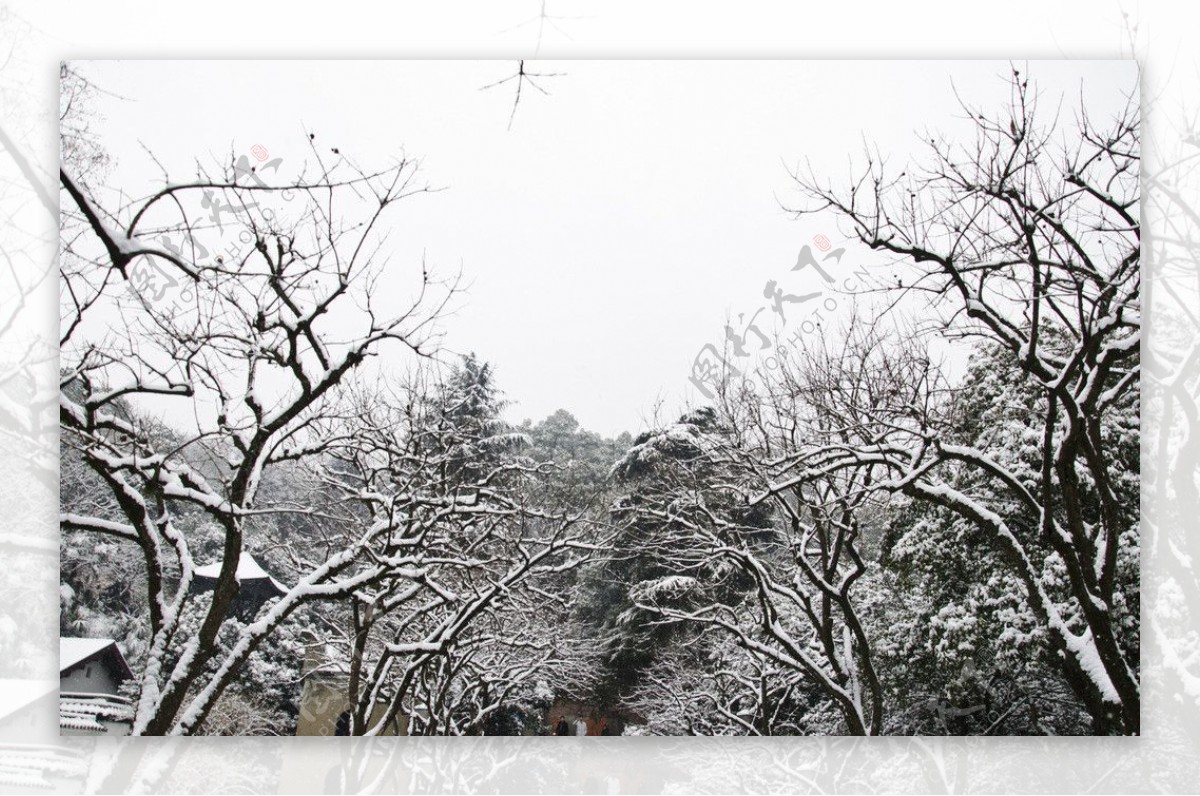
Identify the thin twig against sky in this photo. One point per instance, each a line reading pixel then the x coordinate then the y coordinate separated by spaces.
pixel 522 77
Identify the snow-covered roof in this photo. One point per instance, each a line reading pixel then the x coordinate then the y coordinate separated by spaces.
pixel 73 650
pixel 248 569
pixel 16 694
pixel 25 766
pixel 86 711
pixel 81 723
pixel 24 780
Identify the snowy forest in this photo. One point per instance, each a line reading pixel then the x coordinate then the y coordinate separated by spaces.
pixel 913 522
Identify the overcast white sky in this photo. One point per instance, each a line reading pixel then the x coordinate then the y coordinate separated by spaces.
pixel 609 233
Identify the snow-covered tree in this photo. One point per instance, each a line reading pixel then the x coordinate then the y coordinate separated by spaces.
pixel 707 684
pixel 755 550
pixel 1026 238
pixel 253 362
pixel 471 612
